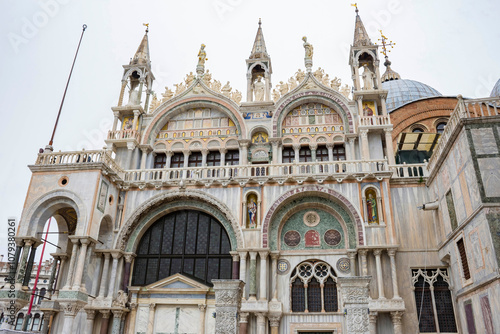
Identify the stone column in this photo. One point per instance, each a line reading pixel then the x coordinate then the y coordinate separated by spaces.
pixel 97 275
pixel 115 120
pixel 136 117
pixel 390 149
pixel 396 321
pixel 130 151
pixel 275 324
pixel 114 269
pixel 151 318
pixel 329 147
pixel 384 105
pixel 236 265
pixel 57 285
pixel 70 310
pixel 274 273
pixel 313 147
pixel 90 321
pixel 72 261
pixel 244 152
pixel 275 145
pixel 227 305
pixel 352 259
pixel 122 92
pixel 204 153
pixel 373 322
pixel 81 263
pixel 365 148
pixel 117 319
pixel 46 321
pixel 263 275
pixel 104 277
pixel 52 278
pixel 186 158
pixel 253 274
pixel 202 309
pixel 169 158
pixel 355 295
pixel 380 281
pixel 126 271
pixel 243 322
pixel 222 152
pixel 144 156
pixel 352 147
pixel 296 152
pixel 29 266
pixel 243 268
pixel 363 269
pixel 105 322
pixel 261 323
pixel 21 268
pixel 392 257
pixel 359 104
pixel 133 315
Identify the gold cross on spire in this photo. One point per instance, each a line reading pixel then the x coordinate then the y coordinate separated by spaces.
pixel 147 26
pixel 386 43
pixel 355 5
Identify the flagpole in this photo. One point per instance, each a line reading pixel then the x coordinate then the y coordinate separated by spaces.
pixel 49 147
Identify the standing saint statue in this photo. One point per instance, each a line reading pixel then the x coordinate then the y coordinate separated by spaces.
pixel 259 88
pixel 308 48
pixel 252 214
pixel 368 78
pixel 202 56
pixel 371 206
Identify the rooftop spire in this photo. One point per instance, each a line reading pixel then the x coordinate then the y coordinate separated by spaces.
pixel 386 45
pixel 259 46
pixel 142 54
pixel 361 37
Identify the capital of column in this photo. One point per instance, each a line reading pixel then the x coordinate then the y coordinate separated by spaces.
pixel 71 308
pixel 396 317
pixel 235 255
pixel 152 306
pixel 169 153
pixel 116 113
pixel 133 306
pixel 117 313
pixel 90 314
pixel 391 252
pixel 222 150
pixel 105 314
pixel 116 254
pixel 244 143
pixel 351 140
pixel 263 254
pixel 186 152
pixel 261 318
pixel 275 141
pixel 388 132
pixel 362 252
pixel 330 145
pixel 253 255
pixel 131 146
pixel 313 146
pixel 136 113
pixel 373 317
pixel 363 133
pixel 377 252
pixel 275 255
pixel 296 146
pixel 274 321
pixel 129 257
pixel 359 98
pixel 351 254
pixel 202 307
pixel 145 149
pixel 244 317
pixel 243 255
pixel 204 151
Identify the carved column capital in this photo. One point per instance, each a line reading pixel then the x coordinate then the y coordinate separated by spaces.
pixel 129 257
pixel 235 256
pixel 377 252
pixel 133 306
pixel 244 317
pixel 186 152
pixel 116 254
pixel 351 254
pixel 263 254
pixel 313 146
pixel 202 307
pixel 90 314
pixel 274 321
pixel 152 306
pixel 391 252
pixel 362 252
pixel 222 150
pixel 204 151
pixel 253 255
pixel 105 314
pixel 363 133
pixel 329 145
pixel 296 146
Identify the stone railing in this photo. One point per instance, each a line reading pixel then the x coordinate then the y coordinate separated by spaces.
pixel 80 157
pixel 123 134
pixel 464 109
pixel 374 120
pixel 321 170
pixel 410 170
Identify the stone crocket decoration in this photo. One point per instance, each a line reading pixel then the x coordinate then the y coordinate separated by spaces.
pixel 276 95
pixel 236 96
pixel 336 83
pixel 167 95
pixel 345 91
pixel 226 90
pixel 300 75
pixel 189 79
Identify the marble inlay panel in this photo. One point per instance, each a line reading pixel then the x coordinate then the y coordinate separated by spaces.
pixel 484 141
pixel 490 174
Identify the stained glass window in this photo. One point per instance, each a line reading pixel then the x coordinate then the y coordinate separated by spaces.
pixel 188 242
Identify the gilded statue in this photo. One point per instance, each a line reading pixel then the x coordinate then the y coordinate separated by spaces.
pixel 308 48
pixel 202 56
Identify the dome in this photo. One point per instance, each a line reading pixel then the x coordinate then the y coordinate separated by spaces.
pixel 496 90
pixel 404 91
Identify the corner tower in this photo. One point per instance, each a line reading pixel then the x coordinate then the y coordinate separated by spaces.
pixel 259 70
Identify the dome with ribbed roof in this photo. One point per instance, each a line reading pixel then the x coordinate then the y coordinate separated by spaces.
pixel 496 90
pixel 403 91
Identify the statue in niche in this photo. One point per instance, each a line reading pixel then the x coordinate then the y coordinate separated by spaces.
pixel 336 83
pixel 300 75
pixel 368 78
pixel 226 90
pixel 308 48
pixel 202 56
pixel 252 211
pixel 367 110
pixel 259 88
pixel 371 207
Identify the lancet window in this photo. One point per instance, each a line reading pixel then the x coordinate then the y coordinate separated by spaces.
pixel 314 288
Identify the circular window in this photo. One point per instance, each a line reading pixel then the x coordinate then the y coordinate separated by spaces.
pixel 110 199
pixel 63 181
pixel 440 127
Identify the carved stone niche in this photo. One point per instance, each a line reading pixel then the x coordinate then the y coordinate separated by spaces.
pixel 227 305
pixel 355 297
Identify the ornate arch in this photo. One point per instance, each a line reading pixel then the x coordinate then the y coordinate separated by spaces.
pixel 157 206
pixel 318 191
pixel 131 70
pixel 192 102
pixel 45 206
pixel 299 98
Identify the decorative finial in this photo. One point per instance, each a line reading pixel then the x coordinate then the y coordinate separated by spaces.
pixel 260 21
pixel 385 44
pixel 389 74
pixel 355 5
pixel 147 26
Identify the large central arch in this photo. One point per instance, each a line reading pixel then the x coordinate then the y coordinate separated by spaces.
pixel 318 191
pixel 157 206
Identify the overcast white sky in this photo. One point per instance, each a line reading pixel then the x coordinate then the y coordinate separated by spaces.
pixel 451 45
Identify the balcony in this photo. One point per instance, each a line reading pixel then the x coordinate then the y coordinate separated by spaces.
pixel 223 175
pixel 374 121
pixel 120 138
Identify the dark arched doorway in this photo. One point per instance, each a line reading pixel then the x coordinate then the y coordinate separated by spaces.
pixel 188 242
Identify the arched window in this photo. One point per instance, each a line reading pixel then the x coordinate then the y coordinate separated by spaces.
pixel 36 322
pixel 317 281
pixel 417 130
pixel 188 242
pixel 435 303
pixel 19 322
pixel 42 294
pixel 440 127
